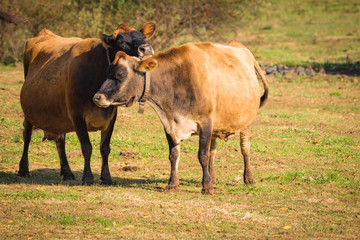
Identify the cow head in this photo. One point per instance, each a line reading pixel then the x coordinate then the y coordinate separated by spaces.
pixel 125 81
pixel 129 40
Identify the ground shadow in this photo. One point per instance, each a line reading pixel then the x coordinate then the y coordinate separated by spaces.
pixel 346 68
pixel 313 68
pixel 49 177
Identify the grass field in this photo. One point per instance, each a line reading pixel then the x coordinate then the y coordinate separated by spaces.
pixel 305 157
pixel 305 154
pixel 303 32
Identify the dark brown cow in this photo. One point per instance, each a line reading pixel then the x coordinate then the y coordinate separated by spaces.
pixel 61 77
pixel 198 88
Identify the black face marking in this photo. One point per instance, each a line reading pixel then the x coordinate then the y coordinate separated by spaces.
pixel 121 73
pixel 130 42
pixel 116 72
pixel 137 35
pixel 110 69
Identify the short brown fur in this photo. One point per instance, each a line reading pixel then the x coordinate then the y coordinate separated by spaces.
pixel 61 77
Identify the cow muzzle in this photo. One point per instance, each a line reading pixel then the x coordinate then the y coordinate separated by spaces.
pixel 145 50
pixel 101 100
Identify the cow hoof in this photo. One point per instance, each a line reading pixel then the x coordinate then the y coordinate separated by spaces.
pixel 250 181
pixel 248 178
pixel 68 176
pixel 23 173
pixel 106 182
pixel 88 181
pixel 208 191
pixel 171 188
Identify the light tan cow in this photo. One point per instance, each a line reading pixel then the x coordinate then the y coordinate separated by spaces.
pixel 198 88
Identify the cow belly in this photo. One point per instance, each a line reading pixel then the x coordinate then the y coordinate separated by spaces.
pixel 47 117
pixel 45 107
pixel 99 118
pixel 233 118
pixel 55 119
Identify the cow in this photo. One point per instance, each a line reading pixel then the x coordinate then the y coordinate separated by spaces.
pixel 199 88
pixel 61 77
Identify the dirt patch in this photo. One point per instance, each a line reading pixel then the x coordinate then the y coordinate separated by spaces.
pixel 129 169
pixel 75 153
pixel 129 155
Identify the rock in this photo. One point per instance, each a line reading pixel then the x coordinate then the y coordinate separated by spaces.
pixel 283 69
pixel 271 70
pixel 322 72
pixel 309 71
pixel 300 71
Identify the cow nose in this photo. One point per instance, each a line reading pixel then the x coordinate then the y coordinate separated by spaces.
pixel 145 50
pixel 101 100
pixel 98 97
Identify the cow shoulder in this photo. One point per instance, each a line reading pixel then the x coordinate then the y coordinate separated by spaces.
pixel 86 70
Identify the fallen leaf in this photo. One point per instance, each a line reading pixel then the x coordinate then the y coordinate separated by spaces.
pixel 287 227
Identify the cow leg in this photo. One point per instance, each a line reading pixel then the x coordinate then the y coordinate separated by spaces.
pixel 64 164
pixel 24 162
pixel 245 150
pixel 203 155
pixel 212 160
pixel 105 151
pixel 86 148
pixel 174 157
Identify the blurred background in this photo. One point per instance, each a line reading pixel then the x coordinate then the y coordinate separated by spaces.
pixel 298 32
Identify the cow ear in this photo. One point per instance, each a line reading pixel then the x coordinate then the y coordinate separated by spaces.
pixel 148 29
pixel 106 40
pixel 147 65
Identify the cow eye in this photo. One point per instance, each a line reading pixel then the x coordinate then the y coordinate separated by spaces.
pixel 124 46
pixel 120 75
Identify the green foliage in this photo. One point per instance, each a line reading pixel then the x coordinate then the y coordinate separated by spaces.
pixel 177 21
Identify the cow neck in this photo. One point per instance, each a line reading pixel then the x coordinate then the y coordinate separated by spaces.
pixel 110 55
pixel 145 94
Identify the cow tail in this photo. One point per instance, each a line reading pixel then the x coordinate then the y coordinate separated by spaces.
pixel 25 61
pixel 266 86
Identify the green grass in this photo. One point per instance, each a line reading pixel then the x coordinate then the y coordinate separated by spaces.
pixel 322 33
pixel 305 158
